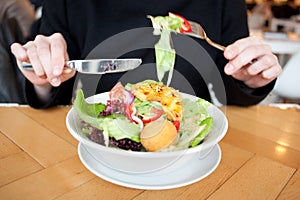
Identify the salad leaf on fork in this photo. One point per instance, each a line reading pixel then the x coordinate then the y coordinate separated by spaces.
pixel 164 52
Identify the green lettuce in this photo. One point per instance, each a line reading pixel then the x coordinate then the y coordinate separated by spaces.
pixel 89 113
pixel 114 125
pixel 165 56
pixel 207 124
pixel 196 123
pixel 164 52
pixel 121 128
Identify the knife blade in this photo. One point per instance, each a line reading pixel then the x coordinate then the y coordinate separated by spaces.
pixel 98 66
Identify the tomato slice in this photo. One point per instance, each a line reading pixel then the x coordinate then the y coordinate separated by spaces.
pixel 186 26
pixel 155 113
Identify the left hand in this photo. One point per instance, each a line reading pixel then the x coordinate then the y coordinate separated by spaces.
pixel 252 62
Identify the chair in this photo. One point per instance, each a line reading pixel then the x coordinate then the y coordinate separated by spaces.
pixel 11 78
pixel 288 83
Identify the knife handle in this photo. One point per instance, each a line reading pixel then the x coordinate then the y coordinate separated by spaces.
pixel 27 66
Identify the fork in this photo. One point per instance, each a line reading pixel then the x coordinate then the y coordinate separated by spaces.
pixel 198 32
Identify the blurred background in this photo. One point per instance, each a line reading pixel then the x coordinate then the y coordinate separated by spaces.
pixel 277 23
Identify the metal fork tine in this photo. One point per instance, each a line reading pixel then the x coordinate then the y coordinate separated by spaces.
pixel 197 29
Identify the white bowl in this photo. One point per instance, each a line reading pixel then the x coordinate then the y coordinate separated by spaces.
pixel 147 162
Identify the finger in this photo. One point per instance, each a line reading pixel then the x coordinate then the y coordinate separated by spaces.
pixel 58 56
pixel 256 81
pixel 68 73
pixel 233 50
pixel 261 64
pixel 242 75
pixel 247 56
pixel 19 52
pixel 32 54
pixel 260 79
pixel 68 70
pixel 44 54
pixel 272 72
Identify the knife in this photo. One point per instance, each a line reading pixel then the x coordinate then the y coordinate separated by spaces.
pixel 98 66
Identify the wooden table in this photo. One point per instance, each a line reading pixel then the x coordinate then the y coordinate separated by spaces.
pixel 260 159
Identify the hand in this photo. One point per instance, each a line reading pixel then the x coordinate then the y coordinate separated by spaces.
pixel 47 56
pixel 252 62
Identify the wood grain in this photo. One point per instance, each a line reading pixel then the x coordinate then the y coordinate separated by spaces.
pixel 260 159
pixel 49 118
pixel 259 177
pixel 263 124
pixel 17 166
pixel 38 141
pixel 48 183
pixel 292 190
pixel 233 158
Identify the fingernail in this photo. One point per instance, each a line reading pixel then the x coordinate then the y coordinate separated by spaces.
pixel 68 70
pixel 229 53
pixel 267 75
pixel 55 82
pixel 229 68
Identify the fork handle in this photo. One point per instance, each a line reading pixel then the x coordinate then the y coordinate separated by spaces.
pixel 218 46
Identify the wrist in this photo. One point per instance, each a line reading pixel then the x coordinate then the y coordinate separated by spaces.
pixel 43 92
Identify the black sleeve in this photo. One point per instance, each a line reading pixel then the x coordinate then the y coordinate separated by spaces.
pixel 234 27
pixel 61 95
pixel 54 19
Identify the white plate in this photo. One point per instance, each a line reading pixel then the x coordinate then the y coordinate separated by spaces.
pixel 195 171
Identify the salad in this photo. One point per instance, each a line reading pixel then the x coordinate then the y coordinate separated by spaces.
pixel 145 116
pixel 164 52
pixel 148 116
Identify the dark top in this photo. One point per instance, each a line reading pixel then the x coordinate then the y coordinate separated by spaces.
pixel 87 23
pixel 37 3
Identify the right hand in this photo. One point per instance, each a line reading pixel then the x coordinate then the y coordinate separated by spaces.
pixel 47 56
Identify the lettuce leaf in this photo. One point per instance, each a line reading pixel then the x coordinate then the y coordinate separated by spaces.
pixel 207 123
pixel 114 125
pixel 89 113
pixel 121 128
pixel 164 52
pixel 165 56
pixel 196 123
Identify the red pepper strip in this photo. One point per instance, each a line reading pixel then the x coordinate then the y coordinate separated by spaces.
pixel 158 113
pixel 177 124
pixel 186 26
